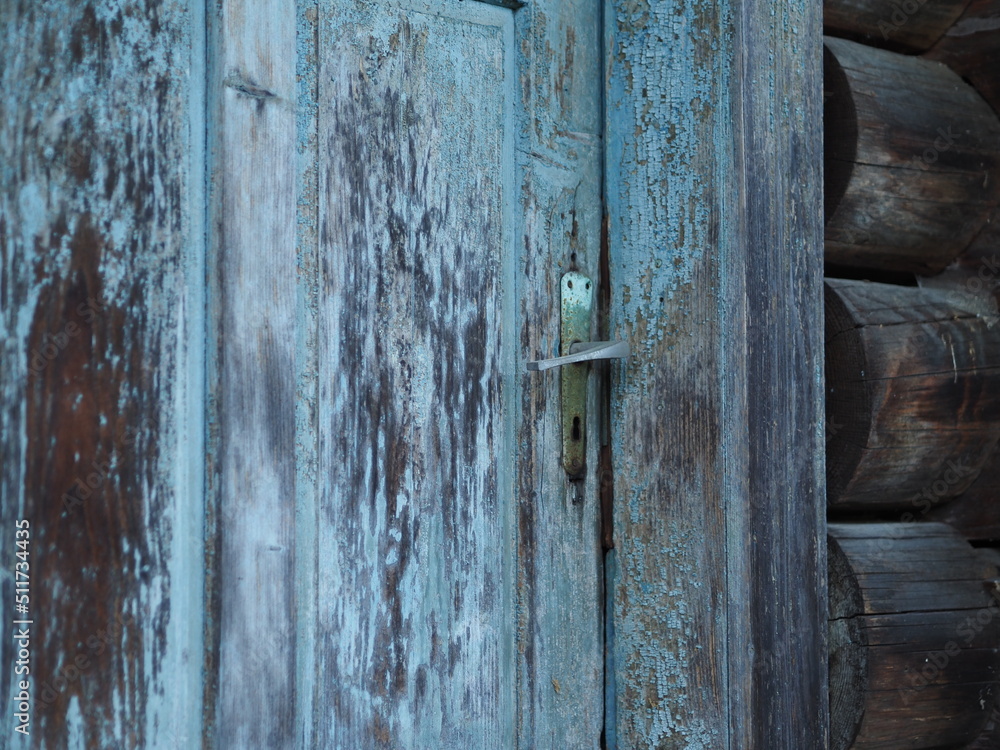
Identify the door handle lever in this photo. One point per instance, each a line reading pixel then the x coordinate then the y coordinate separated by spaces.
pixel 584 351
pixel 577 351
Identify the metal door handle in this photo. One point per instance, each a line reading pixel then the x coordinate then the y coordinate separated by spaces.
pixel 576 302
pixel 584 351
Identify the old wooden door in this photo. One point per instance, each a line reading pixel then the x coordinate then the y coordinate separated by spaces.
pixel 400 188
pixel 318 501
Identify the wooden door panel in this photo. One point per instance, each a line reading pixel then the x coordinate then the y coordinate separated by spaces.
pixel 414 525
pixel 441 578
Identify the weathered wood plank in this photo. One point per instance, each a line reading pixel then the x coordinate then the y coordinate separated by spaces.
pixel 719 593
pixel 100 388
pixel 252 88
pixel 560 618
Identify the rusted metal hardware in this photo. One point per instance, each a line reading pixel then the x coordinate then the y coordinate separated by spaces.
pixel 576 352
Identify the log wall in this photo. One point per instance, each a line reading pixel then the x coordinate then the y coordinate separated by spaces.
pixel 912 411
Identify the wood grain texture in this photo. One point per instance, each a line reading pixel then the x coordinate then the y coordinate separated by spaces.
pixel 913 396
pixel 913 636
pixel 912 159
pixel 971 47
pixel 399 188
pixel 713 191
pixel 100 278
pixel 485 626
pixel 252 87
pixel 900 26
pixel 976 512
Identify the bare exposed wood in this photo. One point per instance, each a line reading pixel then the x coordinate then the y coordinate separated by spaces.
pixel 976 512
pixel 912 158
pixel 913 636
pixel 913 396
pixel 971 47
pixel 101 284
pixel 903 25
pixel 252 87
pixel 718 556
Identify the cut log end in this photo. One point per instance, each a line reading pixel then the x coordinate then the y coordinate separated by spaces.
pixel 848 667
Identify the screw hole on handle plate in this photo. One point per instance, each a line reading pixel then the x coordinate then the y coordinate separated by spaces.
pixel 569 284
pixel 588 285
pixel 576 428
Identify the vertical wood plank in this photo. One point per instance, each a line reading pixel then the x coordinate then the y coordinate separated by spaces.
pixel 713 191
pixel 782 668
pixel 252 87
pixel 559 577
pixel 100 388
pixel 415 638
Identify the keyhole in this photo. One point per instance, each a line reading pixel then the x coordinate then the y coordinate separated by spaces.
pixel 576 428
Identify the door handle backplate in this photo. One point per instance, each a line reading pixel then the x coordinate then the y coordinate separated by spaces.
pixel 576 352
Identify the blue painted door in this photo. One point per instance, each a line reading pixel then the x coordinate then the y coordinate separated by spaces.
pixel 436 579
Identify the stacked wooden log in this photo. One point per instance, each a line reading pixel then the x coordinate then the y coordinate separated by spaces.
pixel 913 634
pixel 971 47
pixel 912 159
pixel 906 26
pixel 913 396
